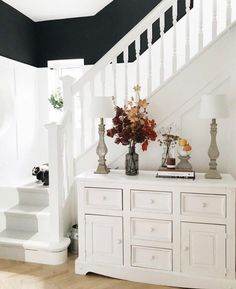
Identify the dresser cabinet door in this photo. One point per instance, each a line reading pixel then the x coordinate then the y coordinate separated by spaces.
pixel 203 249
pixel 104 240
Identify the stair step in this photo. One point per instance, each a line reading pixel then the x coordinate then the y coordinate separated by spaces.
pixel 31 241
pixel 26 210
pixel 34 186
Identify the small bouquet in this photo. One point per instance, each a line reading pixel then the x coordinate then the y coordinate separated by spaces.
pixel 168 140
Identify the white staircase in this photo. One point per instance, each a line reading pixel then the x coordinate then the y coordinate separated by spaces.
pixel 173 58
pixel 27 233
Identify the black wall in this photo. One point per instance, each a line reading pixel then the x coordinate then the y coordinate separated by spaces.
pixel 90 37
pixel 87 37
pixel 17 35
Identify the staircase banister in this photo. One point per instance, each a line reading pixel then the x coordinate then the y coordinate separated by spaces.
pixel 124 43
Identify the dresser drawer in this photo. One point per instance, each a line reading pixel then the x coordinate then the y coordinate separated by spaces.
pixel 151 230
pixel 203 205
pixel 103 198
pixel 151 201
pixel 152 258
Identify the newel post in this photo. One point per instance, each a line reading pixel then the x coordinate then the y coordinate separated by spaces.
pixel 68 98
pixel 56 187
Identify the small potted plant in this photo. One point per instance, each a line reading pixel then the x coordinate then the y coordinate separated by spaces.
pixel 56 99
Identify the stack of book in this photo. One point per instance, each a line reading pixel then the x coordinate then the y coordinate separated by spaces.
pixel 164 172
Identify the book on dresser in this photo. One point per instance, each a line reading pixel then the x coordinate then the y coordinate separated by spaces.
pixel 172 232
pixel 164 172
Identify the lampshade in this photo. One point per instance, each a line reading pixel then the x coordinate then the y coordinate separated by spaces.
pixel 102 107
pixel 213 106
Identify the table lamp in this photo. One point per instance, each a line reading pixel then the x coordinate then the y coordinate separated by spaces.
pixel 213 107
pixel 102 107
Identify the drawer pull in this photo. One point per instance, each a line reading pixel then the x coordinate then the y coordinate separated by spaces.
pixel 186 248
pixel 104 198
pixel 152 229
pixel 204 205
pixel 153 258
pixel 119 241
pixel 152 201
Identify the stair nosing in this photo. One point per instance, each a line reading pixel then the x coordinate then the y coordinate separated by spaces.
pixel 11 211
pixel 34 244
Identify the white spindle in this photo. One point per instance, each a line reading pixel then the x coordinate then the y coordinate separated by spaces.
pixel 82 130
pixel 126 59
pixel 228 13
pixel 103 80
pixel 137 51
pixel 214 19
pixel 200 33
pixel 114 69
pixel 174 18
pixel 67 82
pixel 92 91
pixel 162 31
pixel 149 39
pixel 187 44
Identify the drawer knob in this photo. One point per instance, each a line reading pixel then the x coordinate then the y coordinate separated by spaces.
pixel 153 258
pixel 104 198
pixel 152 229
pixel 152 201
pixel 119 241
pixel 186 248
pixel 204 205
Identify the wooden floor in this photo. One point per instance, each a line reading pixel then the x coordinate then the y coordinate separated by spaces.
pixel 20 275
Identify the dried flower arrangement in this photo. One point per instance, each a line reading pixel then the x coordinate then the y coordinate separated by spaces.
pixel 131 125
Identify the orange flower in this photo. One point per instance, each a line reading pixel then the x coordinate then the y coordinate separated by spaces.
pixel 143 103
pixel 145 145
pixel 187 148
pixel 137 88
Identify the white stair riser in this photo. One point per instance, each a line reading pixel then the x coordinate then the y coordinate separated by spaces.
pixel 8 197
pixel 31 198
pixel 27 223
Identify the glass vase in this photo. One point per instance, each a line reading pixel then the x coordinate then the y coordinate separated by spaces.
pixel 131 162
pixel 168 152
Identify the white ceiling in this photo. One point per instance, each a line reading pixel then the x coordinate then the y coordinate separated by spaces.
pixel 40 10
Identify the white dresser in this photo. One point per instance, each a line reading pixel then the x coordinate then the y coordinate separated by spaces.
pixel 159 231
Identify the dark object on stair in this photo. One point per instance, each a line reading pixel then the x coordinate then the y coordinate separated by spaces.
pixel 42 174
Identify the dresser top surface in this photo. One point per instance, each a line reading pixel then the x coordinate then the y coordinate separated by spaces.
pixel 119 176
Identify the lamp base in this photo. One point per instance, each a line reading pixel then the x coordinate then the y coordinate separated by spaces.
pixel 213 174
pixel 102 170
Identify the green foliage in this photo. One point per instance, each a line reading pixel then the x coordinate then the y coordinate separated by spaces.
pixel 56 99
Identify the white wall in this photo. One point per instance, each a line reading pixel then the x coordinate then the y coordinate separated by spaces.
pixel 24 144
